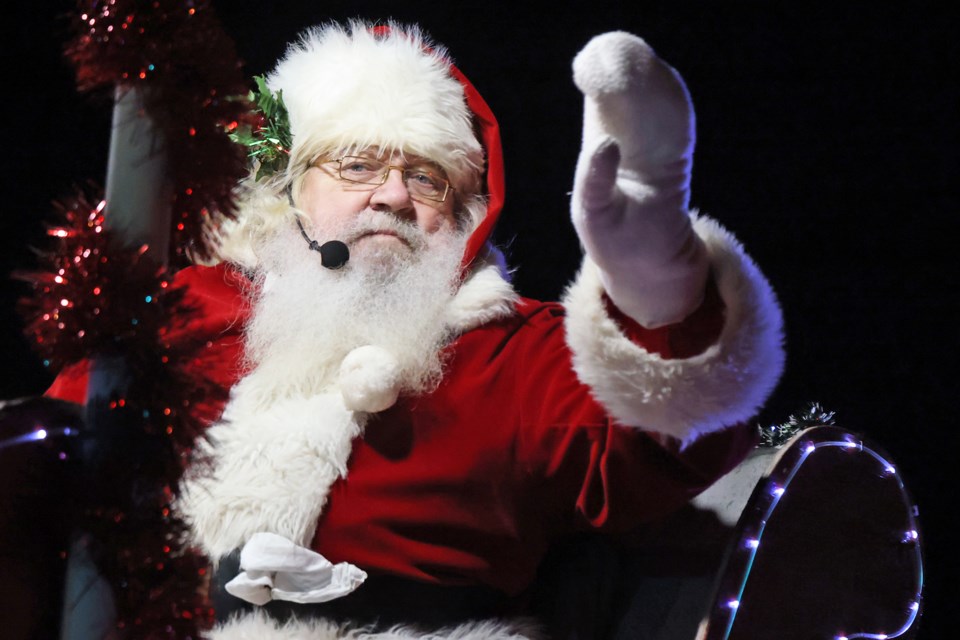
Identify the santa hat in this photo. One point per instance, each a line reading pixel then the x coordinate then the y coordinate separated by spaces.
pixel 356 86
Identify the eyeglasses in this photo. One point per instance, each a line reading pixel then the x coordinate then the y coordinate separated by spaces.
pixel 420 181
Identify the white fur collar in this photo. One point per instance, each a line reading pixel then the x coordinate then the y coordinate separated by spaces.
pixel 484 296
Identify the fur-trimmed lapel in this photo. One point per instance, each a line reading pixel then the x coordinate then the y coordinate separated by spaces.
pixel 270 468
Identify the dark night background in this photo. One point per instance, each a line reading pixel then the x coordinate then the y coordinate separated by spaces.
pixel 827 140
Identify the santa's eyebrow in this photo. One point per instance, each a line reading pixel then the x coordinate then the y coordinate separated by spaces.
pixel 410 159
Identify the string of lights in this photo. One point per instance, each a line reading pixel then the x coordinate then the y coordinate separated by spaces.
pixel 769 496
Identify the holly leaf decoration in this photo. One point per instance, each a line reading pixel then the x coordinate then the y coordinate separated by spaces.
pixel 268 141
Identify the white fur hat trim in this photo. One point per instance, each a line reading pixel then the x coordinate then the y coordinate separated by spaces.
pixel 349 88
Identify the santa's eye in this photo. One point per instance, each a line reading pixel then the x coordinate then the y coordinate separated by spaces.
pixel 424 179
pixel 359 169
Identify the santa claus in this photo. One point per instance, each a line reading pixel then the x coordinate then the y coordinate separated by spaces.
pixel 406 436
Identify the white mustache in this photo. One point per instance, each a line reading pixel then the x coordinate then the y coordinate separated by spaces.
pixel 370 221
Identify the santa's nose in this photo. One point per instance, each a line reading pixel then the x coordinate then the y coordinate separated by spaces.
pixel 393 194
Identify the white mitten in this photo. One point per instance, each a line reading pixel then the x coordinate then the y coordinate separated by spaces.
pixel 632 184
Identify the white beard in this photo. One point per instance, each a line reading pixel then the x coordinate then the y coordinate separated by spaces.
pixel 391 294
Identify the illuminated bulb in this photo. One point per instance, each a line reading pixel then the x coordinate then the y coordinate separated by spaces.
pixel 778 491
pixel 41 434
pixel 810 448
pixel 733 604
pixel 752 543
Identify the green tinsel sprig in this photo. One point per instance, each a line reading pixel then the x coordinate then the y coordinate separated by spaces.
pixel 268 142
pixel 811 415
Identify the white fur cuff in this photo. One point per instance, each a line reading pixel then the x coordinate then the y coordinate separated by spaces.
pixel 683 398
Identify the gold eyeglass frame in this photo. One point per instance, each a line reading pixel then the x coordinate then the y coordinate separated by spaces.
pixel 386 174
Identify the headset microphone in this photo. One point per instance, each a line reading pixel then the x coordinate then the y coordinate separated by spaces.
pixel 333 254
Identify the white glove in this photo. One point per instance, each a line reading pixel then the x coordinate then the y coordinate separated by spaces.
pixel 274 568
pixel 632 183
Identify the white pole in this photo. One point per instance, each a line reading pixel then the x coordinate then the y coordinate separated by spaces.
pixel 138 191
pixel 138 194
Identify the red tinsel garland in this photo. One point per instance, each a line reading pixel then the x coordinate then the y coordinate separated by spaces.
pixel 186 68
pixel 93 298
pixel 97 299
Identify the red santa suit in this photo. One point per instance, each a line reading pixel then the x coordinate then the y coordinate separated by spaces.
pixel 470 484
pixel 550 418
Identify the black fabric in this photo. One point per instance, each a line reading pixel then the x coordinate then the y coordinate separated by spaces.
pixel 381 602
